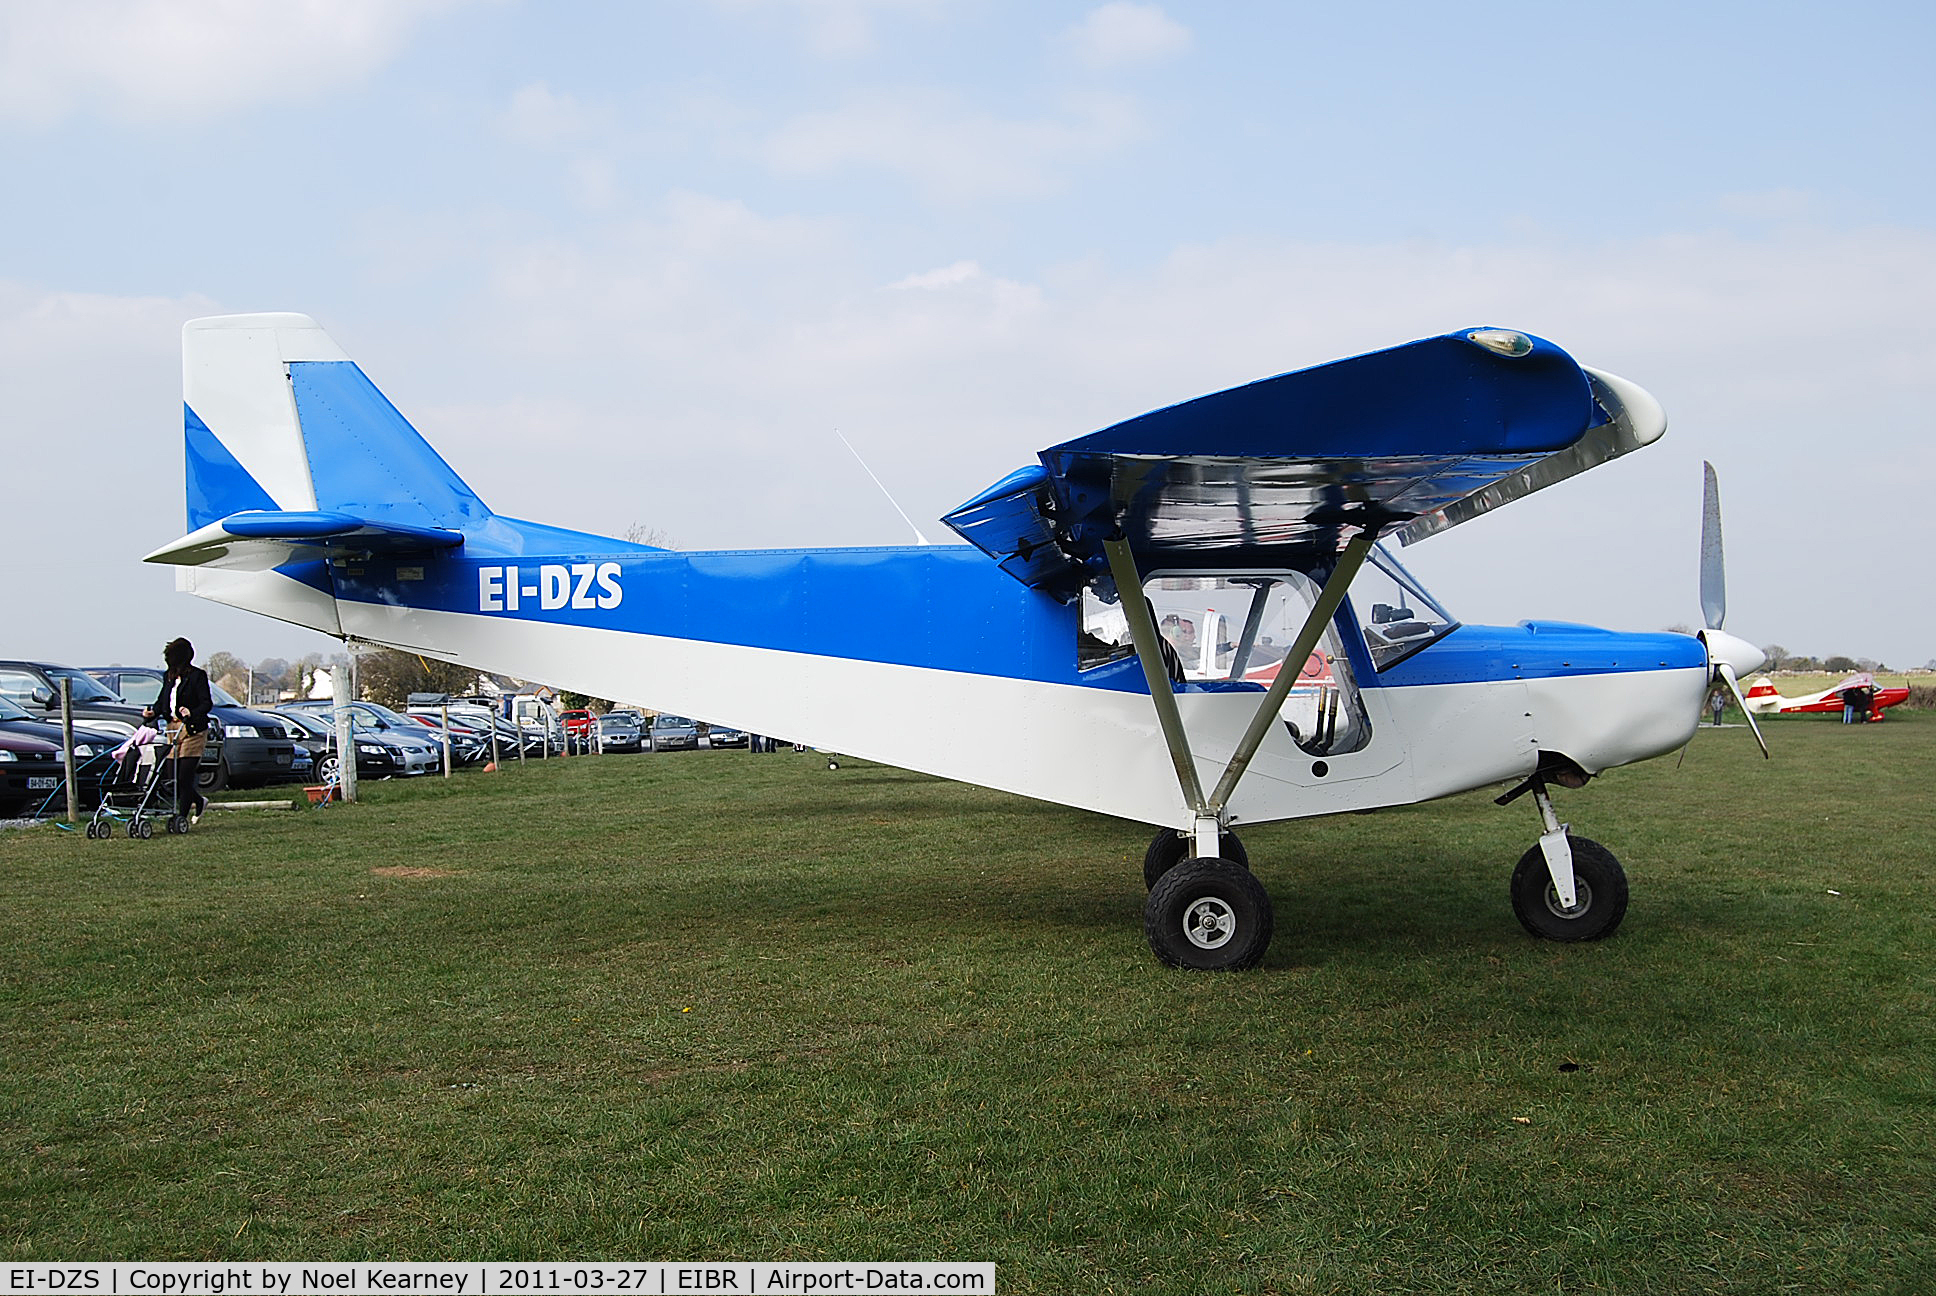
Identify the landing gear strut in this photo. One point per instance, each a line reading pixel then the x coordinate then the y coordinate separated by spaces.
pixel 1209 913
pixel 1170 848
pixel 1566 888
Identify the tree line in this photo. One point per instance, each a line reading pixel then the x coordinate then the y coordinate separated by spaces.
pixel 383 675
pixel 1780 659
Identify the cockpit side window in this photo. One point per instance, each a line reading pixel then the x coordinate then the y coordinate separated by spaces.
pixel 1395 613
pixel 1233 630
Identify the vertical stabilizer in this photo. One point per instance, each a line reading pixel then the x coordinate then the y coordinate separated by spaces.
pixel 244 442
pixel 278 418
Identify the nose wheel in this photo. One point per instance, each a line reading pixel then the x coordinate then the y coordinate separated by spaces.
pixel 1599 894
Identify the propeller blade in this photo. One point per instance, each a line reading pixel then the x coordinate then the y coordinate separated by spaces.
pixel 1714 578
pixel 1726 672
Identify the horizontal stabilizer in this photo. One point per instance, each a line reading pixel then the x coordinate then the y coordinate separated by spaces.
pixel 261 539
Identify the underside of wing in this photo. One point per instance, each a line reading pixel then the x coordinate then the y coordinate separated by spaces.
pixel 1282 472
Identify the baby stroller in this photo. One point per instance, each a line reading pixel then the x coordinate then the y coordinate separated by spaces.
pixel 139 789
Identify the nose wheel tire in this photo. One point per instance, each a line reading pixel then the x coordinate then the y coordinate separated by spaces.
pixel 1600 894
pixel 1208 915
pixel 1170 848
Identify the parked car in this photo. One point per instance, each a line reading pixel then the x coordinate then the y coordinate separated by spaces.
pixel 383 749
pixel 256 746
pixel 580 725
pixel 672 733
pixel 509 736
pixel 31 767
pixel 469 744
pixel 725 736
pixel 621 731
pixel 34 687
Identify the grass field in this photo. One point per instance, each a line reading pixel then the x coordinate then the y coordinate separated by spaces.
pixel 725 1006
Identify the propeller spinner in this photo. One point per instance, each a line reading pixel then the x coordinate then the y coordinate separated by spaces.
pixel 1728 656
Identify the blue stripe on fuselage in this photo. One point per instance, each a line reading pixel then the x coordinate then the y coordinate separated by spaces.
pixel 938 607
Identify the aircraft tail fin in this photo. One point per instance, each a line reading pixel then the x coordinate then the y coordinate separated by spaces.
pixel 293 457
pixel 292 454
pixel 279 419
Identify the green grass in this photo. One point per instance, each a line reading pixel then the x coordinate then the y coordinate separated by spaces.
pixel 720 1006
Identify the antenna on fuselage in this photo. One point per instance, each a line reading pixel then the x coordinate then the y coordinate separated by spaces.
pixel 918 537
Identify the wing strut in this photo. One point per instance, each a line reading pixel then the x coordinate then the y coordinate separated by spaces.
pixel 1149 651
pixel 1146 637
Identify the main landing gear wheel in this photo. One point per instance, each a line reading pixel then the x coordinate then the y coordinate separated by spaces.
pixel 1170 848
pixel 1208 915
pixel 1600 894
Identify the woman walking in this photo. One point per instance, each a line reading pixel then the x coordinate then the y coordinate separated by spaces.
pixel 183 706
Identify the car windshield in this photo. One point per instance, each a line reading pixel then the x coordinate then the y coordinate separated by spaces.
pixel 309 724
pixel 8 711
pixel 671 722
pixel 139 689
pixel 221 696
pixel 86 687
pixel 364 715
pixel 388 716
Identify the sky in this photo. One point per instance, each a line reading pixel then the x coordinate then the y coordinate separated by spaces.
pixel 646 264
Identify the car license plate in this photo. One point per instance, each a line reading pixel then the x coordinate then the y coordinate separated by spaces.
pixel 42 784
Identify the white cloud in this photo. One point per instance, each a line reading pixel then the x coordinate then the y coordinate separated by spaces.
pixel 189 58
pixel 540 116
pixel 948 276
pixel 1124 34
pixel 951 153
pixel 834 28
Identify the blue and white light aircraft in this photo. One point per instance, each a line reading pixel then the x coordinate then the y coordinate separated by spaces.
pixel 1250 518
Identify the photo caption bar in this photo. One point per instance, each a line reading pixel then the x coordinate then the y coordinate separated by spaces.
pixel 495 1278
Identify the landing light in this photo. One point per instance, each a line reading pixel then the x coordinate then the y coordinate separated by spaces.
pixel 1504 341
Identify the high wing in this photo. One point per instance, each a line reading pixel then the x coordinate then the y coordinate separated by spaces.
pixel 1281 472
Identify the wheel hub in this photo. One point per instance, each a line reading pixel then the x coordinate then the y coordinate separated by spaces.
pixel 1209 923
pixel 1582 899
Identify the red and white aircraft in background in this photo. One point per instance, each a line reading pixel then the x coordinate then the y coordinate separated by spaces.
pixel 1764 699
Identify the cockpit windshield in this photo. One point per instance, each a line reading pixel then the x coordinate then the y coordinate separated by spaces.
pixel 1396 614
